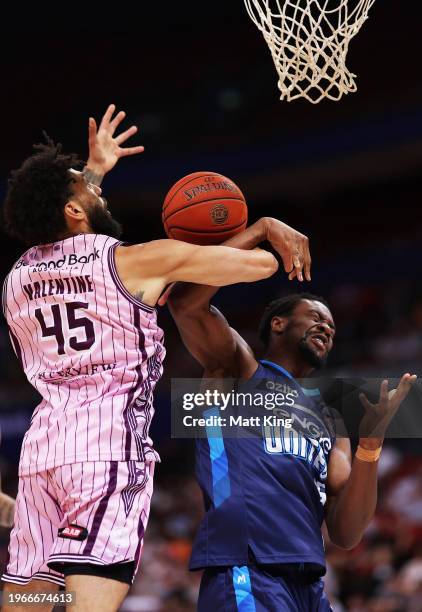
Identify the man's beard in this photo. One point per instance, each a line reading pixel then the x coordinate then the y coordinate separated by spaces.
pixel 310 356
pixel 101 222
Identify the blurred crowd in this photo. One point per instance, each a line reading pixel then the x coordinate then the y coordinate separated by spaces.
pixel 379 333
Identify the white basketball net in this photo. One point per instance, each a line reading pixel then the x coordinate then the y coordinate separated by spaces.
pixel 309 40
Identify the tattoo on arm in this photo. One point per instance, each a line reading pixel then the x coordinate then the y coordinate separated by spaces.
pixel 92 177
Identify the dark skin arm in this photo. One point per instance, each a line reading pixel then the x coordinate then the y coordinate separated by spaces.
pixel 352 487
pixel 204 330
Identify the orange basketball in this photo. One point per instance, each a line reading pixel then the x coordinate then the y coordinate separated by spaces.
pixel 204 208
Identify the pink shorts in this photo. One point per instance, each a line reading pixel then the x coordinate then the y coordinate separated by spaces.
pixel 93 512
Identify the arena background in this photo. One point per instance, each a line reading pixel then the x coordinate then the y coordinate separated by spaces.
pixel 201 85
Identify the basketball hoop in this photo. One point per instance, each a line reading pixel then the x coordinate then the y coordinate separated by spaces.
pixel 309 40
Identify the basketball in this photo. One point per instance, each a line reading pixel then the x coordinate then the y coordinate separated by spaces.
pixel 204 208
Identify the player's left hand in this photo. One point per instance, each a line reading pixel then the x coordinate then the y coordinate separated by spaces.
pixel 104 147
pixel 378 416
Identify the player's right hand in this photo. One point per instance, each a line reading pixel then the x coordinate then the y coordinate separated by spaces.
pixel 293 248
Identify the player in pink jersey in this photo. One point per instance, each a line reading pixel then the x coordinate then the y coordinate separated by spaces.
pixel 81 313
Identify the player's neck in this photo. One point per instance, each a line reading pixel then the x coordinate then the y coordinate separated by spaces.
pixel 74 228
pixel 295 366
pixel 72 233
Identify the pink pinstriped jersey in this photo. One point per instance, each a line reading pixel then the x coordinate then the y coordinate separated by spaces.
pixel 92 350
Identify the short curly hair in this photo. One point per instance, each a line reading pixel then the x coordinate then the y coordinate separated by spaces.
pixel 37 193
pixel 283 307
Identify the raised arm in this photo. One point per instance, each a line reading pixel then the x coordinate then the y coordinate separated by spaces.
pixel 147 269
pixel 292 246
pixel 209 338
pixel 204 330
pixel 352 486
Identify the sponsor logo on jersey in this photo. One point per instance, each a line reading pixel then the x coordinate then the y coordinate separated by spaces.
pixel 282 387
pixel 67 373
pixel 71 259
pixel 279 441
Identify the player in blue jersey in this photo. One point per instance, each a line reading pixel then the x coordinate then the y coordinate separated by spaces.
pixel 260 541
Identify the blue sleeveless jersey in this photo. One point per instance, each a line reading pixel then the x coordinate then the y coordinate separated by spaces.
pixel 266 494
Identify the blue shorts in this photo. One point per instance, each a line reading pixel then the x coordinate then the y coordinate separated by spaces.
pixel 254 589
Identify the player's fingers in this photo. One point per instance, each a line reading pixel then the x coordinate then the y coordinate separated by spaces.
pixel 131 151
pixel 292 263
pixel 307 259
pixel 384 393
pixel 121 138
pixel 404 387
pixel 365 401
pixel 298 266
pixel 307 270
pixel 287 258
pixel 117 120
pixel 105 121
pixel 307 264
pixel 92 130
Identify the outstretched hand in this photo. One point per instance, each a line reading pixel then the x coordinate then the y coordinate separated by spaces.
pixel 104 147
pixel 378 416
